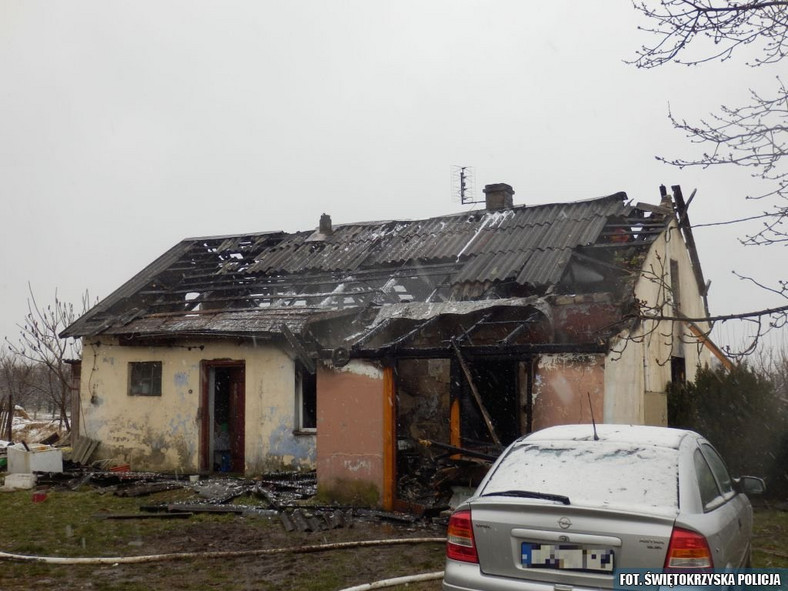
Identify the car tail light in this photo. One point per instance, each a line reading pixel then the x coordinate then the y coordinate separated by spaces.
pixel 688 550
pixel 460 544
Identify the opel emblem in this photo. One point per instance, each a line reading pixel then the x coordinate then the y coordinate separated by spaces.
pixel 564 523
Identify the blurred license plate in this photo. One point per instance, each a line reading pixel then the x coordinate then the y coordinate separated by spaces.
pixel 567 557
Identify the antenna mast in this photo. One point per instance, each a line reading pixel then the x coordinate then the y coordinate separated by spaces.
pixel 462 186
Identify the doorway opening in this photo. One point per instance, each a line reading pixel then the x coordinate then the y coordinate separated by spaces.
pixel 223 417
pixel 435 414
pixel 497 384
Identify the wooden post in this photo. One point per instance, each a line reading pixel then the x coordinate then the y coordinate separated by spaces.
pixel 476 394
pixel 454 425
pixel 389 439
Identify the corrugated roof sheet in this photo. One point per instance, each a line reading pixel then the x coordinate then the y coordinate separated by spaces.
pixel 246 322
pixel 528 245
pixel 462 237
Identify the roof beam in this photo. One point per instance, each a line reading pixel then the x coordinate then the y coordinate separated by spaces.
pixel 476 351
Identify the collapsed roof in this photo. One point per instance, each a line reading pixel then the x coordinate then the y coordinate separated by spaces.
pixel 254 284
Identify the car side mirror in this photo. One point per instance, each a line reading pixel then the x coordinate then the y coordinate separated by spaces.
pixel 750 485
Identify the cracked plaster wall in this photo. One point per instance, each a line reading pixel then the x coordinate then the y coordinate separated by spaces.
pixel 350 430
pixel 562 385
pixel 163 432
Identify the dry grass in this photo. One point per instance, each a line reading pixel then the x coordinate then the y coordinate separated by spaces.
pixel 770 539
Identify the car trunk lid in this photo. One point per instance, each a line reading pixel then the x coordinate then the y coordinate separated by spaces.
pixel 572 545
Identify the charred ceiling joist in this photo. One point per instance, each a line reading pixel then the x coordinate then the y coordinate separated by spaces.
pixel 423 330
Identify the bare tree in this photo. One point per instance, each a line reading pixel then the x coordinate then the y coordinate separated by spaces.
pixel 40 344
pixel 681 26
pixel 16 379
pixel 753 136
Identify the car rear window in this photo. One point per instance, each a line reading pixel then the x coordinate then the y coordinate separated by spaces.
pixel 593 473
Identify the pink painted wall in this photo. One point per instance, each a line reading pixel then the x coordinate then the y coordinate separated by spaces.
pixel 349 430
pixel 562 385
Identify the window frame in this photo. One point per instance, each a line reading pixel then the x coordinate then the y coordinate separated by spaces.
pixel 142 372
pixel 304 379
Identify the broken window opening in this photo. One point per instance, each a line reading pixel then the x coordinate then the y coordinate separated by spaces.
pixel 678 370
pixel 145 378
pixel 306 399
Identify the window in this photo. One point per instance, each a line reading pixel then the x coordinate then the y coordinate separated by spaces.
pixel 306 399
pixel 678 370
pixel 709 493
pixel 145 378
pixel 718 468
pixel 584 471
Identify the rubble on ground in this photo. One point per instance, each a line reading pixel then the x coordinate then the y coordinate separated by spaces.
pixel 425 491
pixel 287 496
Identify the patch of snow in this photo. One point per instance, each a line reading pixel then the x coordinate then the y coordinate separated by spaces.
pixel 635 434
pixel 389 285
pixel 635 473
pixel 498 217
pixel 425 310
pixel 337 290
pixel 481 227
pixel 362 368
pixel 25 428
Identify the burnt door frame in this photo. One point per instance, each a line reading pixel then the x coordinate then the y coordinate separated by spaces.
pixel 237 394
pixel 465 411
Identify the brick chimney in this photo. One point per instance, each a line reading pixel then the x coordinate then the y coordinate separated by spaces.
pixel 498 196
pixel 325 224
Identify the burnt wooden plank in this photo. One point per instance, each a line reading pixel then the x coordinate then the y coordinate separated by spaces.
pixel 83 449
pixel 204 508
pixel 142 515
pixel 141 490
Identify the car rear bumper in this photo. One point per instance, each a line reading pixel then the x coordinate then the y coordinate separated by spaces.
pixel 465 576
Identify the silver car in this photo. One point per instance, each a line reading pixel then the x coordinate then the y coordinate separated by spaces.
pixel 564 507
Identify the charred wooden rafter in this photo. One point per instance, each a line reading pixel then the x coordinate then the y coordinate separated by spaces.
pixel 476 351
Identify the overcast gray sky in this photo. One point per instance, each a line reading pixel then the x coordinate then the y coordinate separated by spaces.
pixel 127 126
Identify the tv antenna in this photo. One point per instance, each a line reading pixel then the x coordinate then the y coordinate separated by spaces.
pixel 462 186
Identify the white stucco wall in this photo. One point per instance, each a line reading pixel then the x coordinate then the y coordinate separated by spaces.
pixel 163 432
pixel 638 368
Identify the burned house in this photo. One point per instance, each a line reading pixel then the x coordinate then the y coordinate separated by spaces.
pixel 389 355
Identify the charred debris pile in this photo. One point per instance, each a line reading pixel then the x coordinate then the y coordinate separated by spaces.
pixel 289 497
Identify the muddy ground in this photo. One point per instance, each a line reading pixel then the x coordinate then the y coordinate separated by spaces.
pixel 329 570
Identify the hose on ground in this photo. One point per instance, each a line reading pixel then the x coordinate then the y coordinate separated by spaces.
pixel 382 584
pixel 215 554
